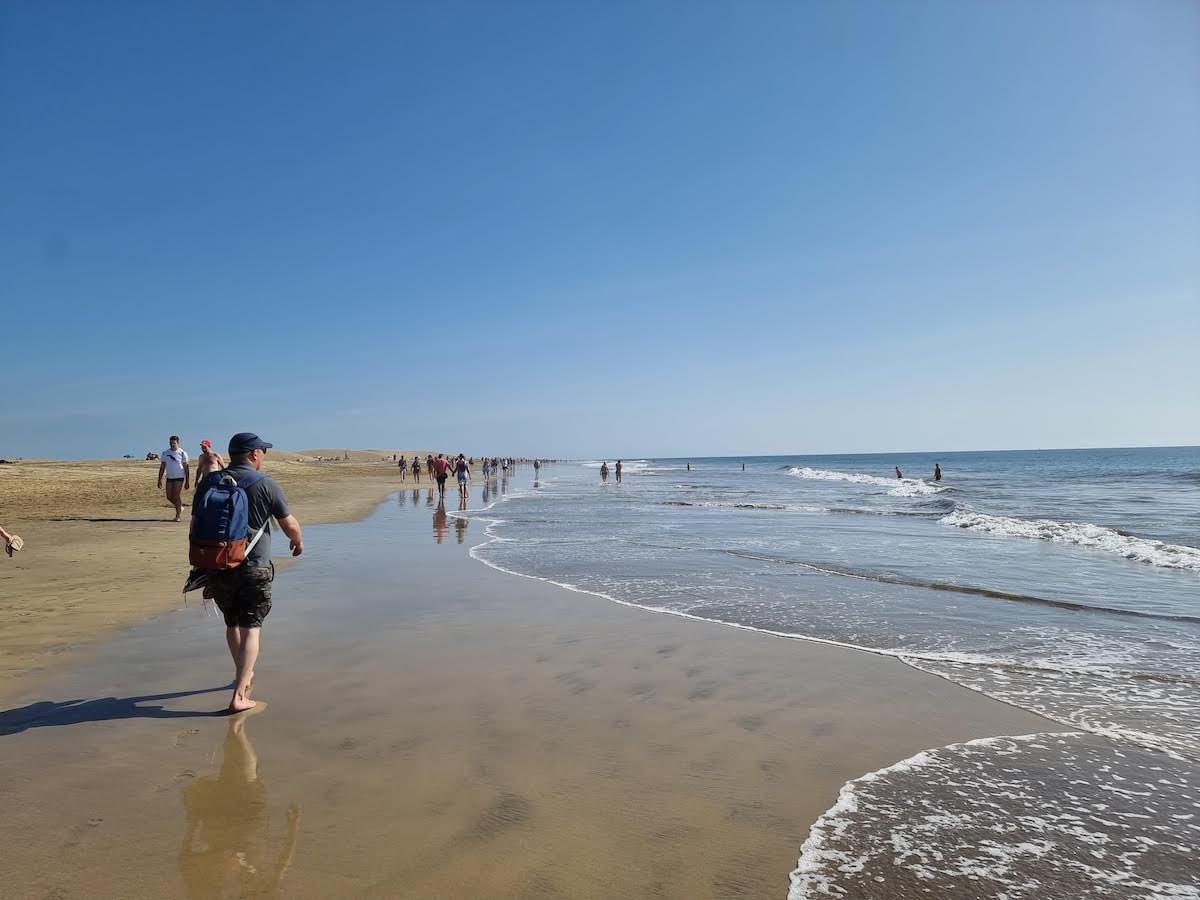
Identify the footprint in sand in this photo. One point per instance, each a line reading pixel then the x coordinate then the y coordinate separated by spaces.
pixel 182 736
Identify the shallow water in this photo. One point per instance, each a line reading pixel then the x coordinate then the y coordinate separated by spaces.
pixel 436 729
pixel 1063 582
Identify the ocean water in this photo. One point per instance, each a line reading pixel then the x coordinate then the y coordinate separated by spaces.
pixel 1063 582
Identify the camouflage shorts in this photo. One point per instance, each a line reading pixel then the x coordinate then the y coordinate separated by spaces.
pixel 243 594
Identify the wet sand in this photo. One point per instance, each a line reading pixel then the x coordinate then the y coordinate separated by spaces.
pixel 102 551
pixel 439 729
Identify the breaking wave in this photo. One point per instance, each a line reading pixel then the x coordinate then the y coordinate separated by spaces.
pixel 898 487
pixel 1083 534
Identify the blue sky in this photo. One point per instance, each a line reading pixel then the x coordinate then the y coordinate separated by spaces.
pixel 575 229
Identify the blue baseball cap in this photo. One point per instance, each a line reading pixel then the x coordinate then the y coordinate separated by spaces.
pixel 245 441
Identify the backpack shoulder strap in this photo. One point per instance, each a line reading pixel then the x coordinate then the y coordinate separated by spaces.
pixel 251 479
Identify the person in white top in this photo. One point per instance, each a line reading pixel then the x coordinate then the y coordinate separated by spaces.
pixel 179 477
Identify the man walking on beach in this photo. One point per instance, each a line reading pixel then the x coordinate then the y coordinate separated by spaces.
pixel 244 594
pixel 441 468
pixel 179 477
pixel 209 461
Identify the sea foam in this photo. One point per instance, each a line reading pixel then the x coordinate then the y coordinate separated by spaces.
pixel 1015 817
pixel 899 487
pixel 1083 534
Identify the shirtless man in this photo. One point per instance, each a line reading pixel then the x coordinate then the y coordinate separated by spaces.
pixel 209 461
pixel 440 470
pixel 179 476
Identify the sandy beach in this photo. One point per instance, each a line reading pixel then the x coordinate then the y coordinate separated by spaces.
pixel 102 551
pixel 434 728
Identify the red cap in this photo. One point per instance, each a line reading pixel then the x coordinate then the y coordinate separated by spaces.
pixel 206 443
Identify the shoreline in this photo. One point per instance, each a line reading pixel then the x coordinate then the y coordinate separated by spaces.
pixel 474 735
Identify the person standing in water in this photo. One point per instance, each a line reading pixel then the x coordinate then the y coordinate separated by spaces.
pixel 618 471
pixel 937 472
pixel 899 474
pixel 604 471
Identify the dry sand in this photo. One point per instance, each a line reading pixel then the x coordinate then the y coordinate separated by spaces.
pixel 439 729
pixel 102 552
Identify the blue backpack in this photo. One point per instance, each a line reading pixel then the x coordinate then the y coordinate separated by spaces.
pixel 220 535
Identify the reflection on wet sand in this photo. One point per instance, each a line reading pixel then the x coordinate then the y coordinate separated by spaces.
pixel 460 523
pixel 441 525
pixel 226 850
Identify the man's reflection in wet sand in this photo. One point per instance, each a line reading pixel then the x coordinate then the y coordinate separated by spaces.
pixel 416 497
pixel 227 849
pixel 441 526
pixel 460 524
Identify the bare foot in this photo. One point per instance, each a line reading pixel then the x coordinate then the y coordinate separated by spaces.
pixel 240 704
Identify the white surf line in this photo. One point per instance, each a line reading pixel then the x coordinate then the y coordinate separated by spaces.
pixel 813 853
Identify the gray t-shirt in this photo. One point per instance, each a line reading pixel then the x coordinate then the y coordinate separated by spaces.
pixel 266 500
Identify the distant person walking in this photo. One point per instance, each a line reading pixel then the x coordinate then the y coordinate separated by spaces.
pixel 179 477
pixel 209 460
pixel 441 468
pixel 937 472
pixel 537 467
pixel 12 542
pixel 243 594
pixel 463 470
pixel 403 468
pixel 618 468
pixel 604 471
pixel 416 470
pixel 899 474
